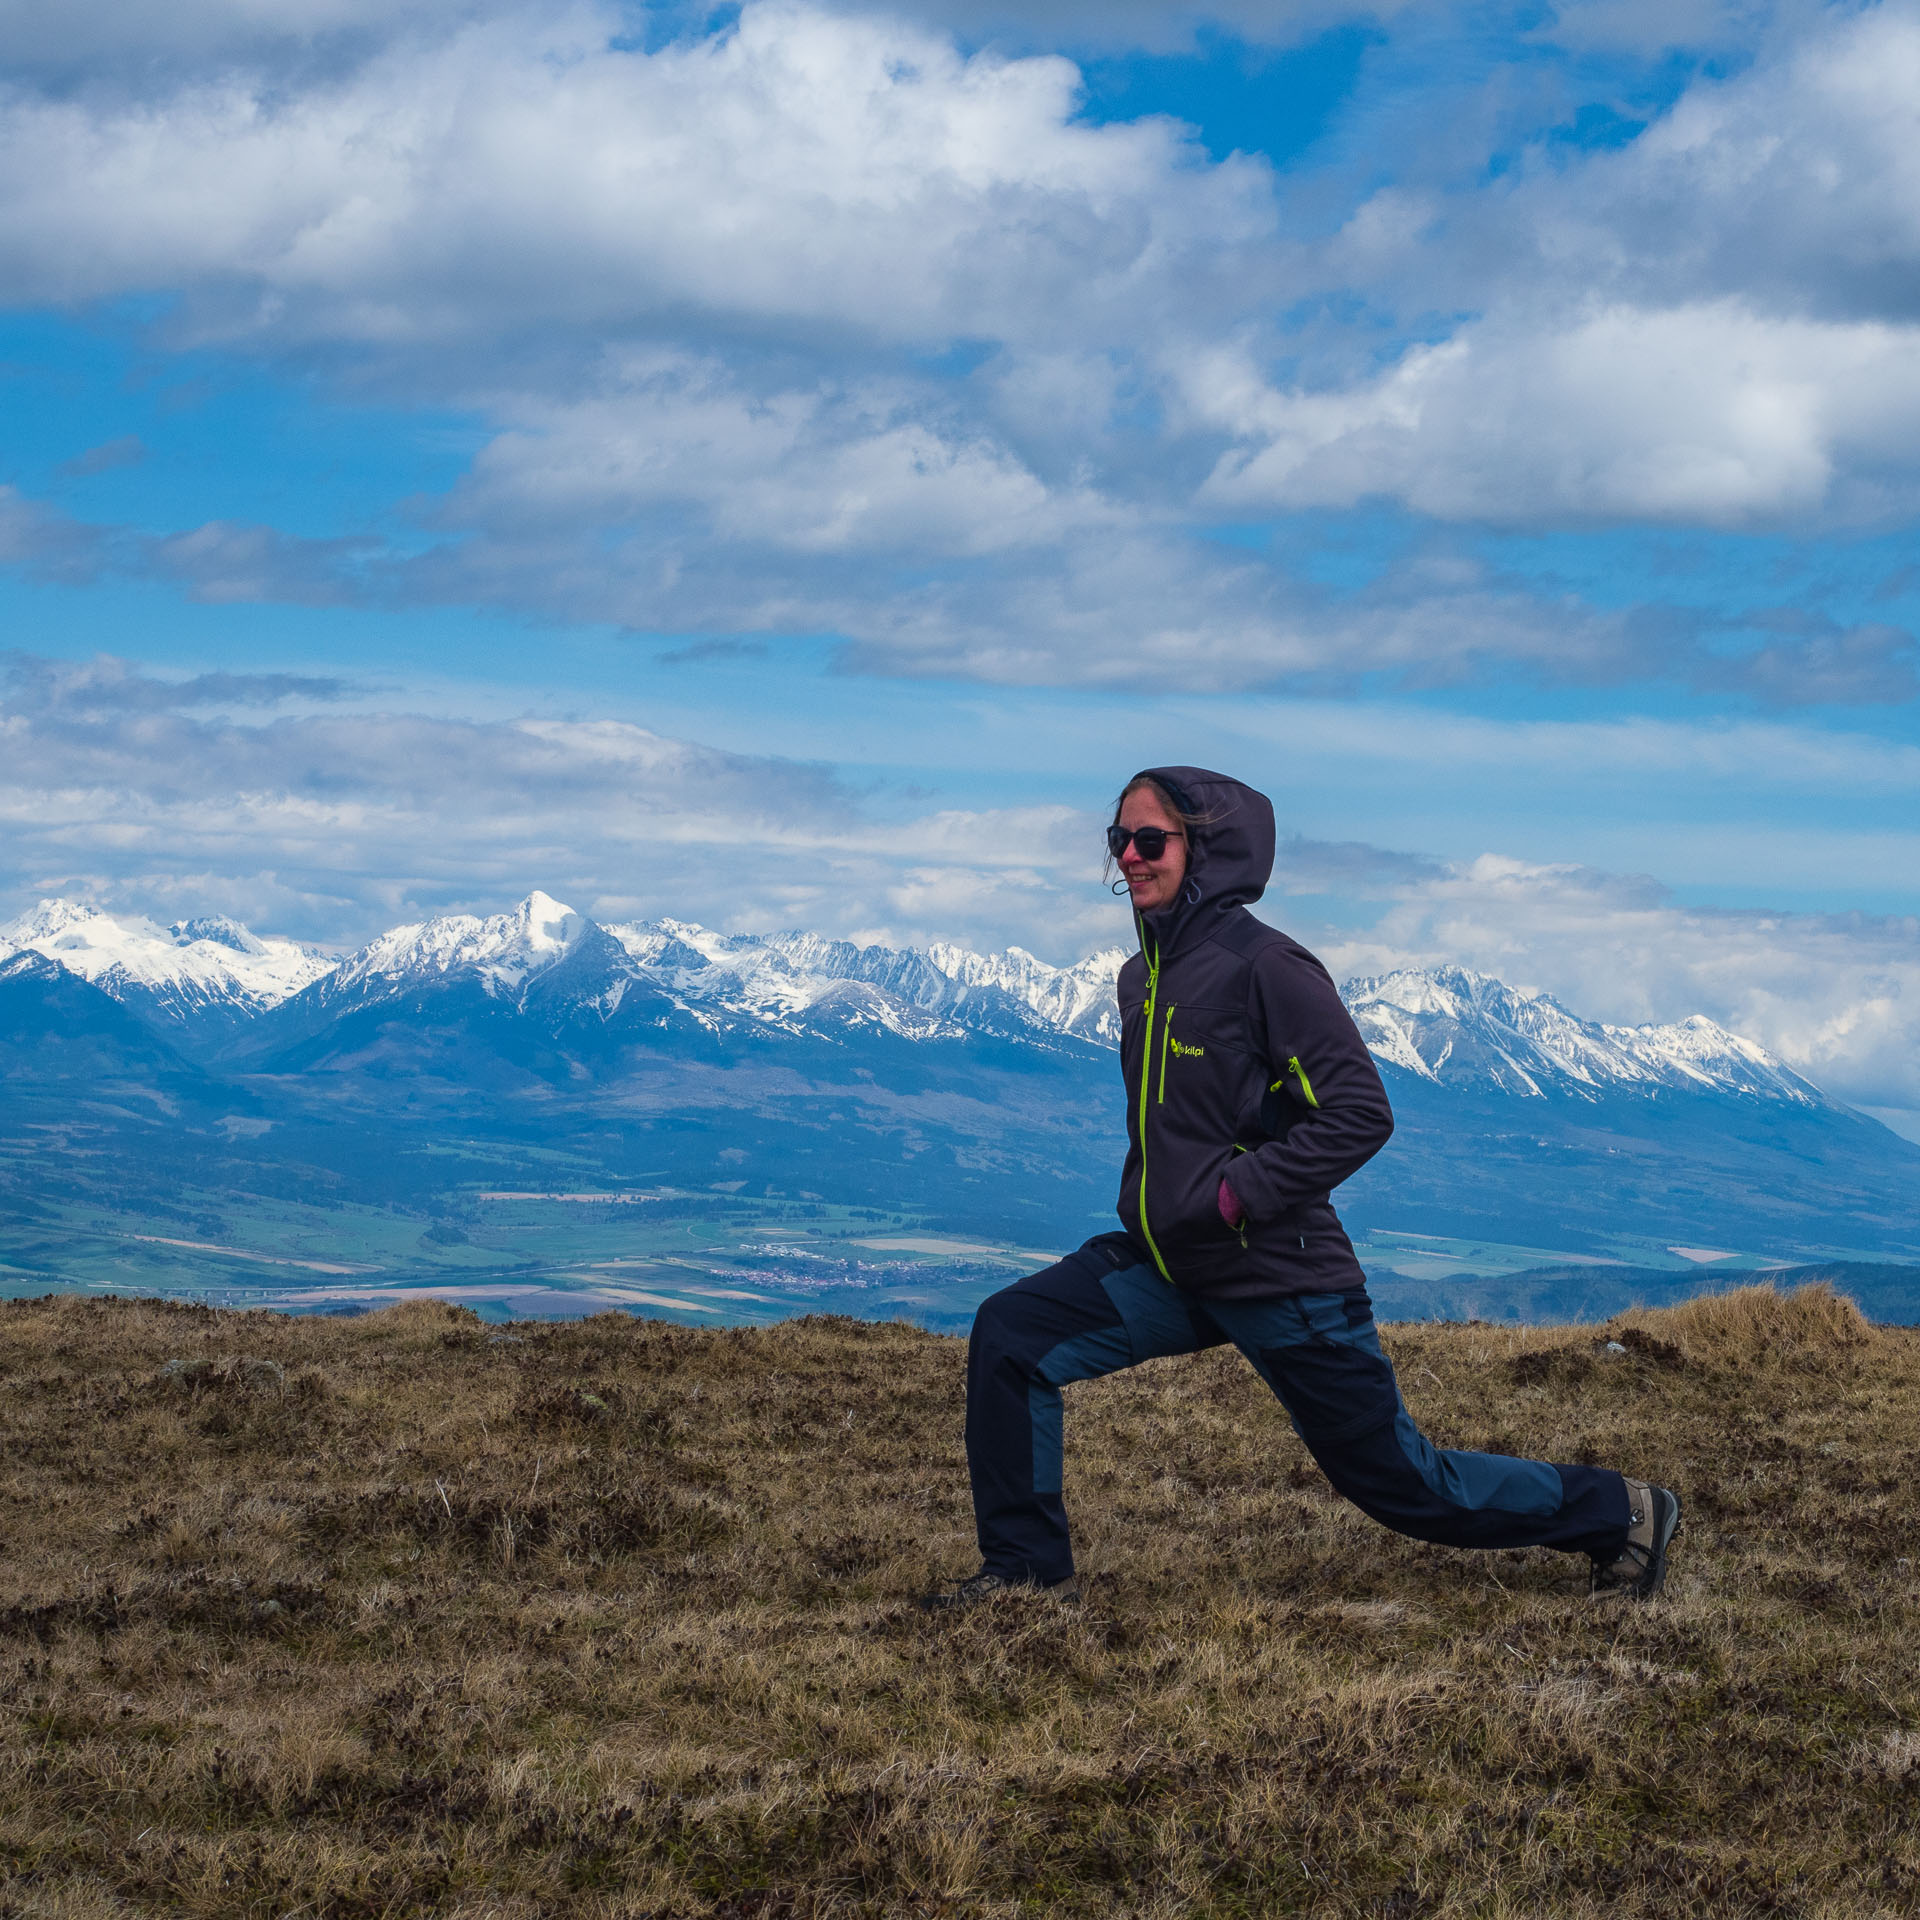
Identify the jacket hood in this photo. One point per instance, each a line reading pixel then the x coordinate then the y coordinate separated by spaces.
pixel 1229 856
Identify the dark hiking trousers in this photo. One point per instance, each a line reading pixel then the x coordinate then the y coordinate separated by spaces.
pixel 1083 1317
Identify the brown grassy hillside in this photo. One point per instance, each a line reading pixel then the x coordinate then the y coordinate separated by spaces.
pixel 407 1616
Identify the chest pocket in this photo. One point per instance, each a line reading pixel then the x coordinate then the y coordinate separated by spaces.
pixel 1194 1046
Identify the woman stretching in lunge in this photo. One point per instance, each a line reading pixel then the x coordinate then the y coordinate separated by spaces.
pixel 1250 1096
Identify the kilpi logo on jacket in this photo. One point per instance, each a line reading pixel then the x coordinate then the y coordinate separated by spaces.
pixel 1185 1052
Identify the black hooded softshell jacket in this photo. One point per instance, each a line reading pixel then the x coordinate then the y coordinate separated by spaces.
pixel 1240 1062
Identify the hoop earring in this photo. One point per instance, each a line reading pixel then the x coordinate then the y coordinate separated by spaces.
pixel 1118 888
pixel 1191 893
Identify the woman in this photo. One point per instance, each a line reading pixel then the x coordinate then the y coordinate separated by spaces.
pixel 1250 1096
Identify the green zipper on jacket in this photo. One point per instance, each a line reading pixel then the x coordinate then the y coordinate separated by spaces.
pixel 1166 1034
pixel 1153 1004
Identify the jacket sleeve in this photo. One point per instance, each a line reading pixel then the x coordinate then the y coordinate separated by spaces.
pixel 1342 1117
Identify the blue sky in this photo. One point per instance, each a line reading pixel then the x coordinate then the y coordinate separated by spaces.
pixel 787 464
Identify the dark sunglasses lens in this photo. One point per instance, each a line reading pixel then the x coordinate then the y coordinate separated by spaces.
pixel 1150 841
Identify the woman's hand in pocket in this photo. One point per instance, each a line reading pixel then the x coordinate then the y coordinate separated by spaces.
pixel 1231 1211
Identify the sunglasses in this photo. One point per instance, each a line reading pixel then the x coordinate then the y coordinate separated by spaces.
pixel 1149 842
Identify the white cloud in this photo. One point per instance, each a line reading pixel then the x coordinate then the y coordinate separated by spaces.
pixel 1716 325
pixel 827 468
pixel 1705 414
pixel 856 173
pixel 945 559
pixel 1794 186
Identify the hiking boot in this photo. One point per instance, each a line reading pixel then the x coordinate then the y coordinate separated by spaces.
pixel 1639 1570
pixel 984 1585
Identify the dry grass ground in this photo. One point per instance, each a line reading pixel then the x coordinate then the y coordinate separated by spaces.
pixel 404 1615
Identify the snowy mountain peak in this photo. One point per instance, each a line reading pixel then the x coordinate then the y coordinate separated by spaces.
pixel 217 930
pixel 1453 992
pixel 47 922
pixel 504 951
pixel 180 972
pixel 1076 999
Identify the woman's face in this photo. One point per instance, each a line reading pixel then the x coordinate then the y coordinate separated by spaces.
pixel 1154 884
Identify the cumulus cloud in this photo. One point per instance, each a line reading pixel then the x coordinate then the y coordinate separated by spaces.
pixel 1716 325
pixel 1150 609
pixel 831 467
pixel 858 174
pixel 1709 415
pixel 1794 185
pixel 946 580
pixel 919 557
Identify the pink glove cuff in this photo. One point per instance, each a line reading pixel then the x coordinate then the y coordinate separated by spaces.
pixel 1231 1211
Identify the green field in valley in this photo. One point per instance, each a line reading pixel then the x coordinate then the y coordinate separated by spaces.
pixel 713 1258
pixel 707 1259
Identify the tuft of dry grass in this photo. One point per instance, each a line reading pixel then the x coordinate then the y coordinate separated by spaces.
pixel 406 1615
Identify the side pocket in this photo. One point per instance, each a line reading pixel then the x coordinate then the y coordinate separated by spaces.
pixel 1241 1229
pixel 1114 1250
pixel 1288 1100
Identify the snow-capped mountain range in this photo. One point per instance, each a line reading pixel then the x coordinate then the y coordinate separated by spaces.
pixel 209 965
pixel 785 979
pixel 502 952
pixel 1446 1026
pixel 1457 1028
